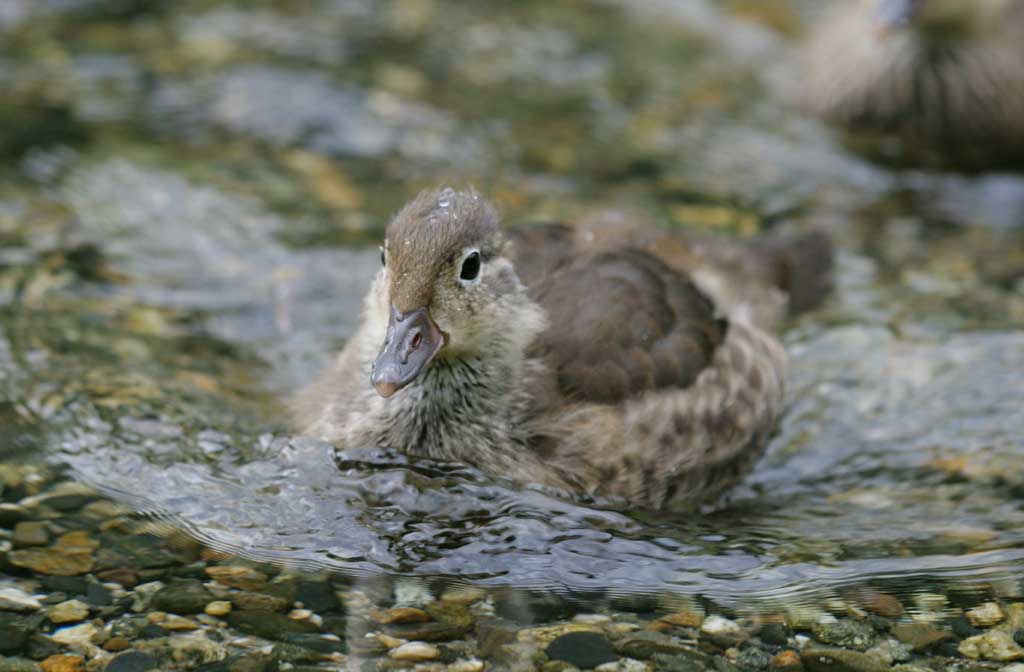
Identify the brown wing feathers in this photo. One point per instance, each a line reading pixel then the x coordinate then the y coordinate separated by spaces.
pixel 623 323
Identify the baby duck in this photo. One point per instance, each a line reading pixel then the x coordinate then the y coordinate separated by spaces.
pixel 604 358
pixel 946 77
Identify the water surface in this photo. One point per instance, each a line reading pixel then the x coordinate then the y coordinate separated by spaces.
pixel 189 211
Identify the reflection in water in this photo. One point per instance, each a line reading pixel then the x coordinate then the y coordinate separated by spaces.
pixel 860 485
pixel 151 294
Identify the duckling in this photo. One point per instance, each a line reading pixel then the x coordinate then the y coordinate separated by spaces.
pixel 605 358
pixel 945 77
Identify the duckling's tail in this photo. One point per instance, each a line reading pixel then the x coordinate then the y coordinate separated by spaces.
pixel 802 268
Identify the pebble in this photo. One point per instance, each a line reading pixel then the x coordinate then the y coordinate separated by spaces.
pixel 259 601
pixel 115 644
pixel 774 634
pixel 237 576
pixel 184 597
pixel 144 595
pixel 63 663
pixel 686 619
pixel 17 665
pixel 218 608
pixel 882 604
pixel 785 660
pixel 470 665
pixel 415 651
pixel 962 628
pixel 390 642
pixel 400 615
pixel 52 560
pixel 582 649
pixel 268 624
pixel 985 615
pixel 30 533
pixel 723 630
pixel 133 661
pixel 195 649
pixel 850 634
pixel 76 636
pixel 920 636
pixel 71 611
pixel 840 660
pixel 992 645
pixel 176 623
pixel 14 599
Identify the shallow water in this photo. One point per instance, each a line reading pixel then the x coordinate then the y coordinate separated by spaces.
pixel 188 221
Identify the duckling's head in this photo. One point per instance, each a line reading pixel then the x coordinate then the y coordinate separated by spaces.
pixel 450 291
pixel 939 19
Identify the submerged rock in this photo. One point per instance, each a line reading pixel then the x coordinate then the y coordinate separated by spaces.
pixel 992 645
pixel 582 649
pixel 839 660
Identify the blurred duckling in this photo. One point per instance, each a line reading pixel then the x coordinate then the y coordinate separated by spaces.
pixel 604 358
pixel 944 77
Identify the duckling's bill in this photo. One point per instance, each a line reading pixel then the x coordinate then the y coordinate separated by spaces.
pixel 411 343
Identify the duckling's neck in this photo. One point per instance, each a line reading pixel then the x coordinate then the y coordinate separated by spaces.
pixel 460 408
pixel 468 405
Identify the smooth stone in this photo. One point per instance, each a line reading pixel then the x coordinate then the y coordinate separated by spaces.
pixel 840 660
pixel 664 662
pixel 646 644
pixel 293 653
pixel 962 628
pixel 882 604
pixel 175 623
pixel 132 661
pixel 193 650
pixel 467 665
pixel 63 663
pixel 582 649
pixel 71 611
pixel 76 636
pixel 218 608
pixel 115 644
pixel 52 560
pixel 259 601
pixel 18 665
pixel 775 634
pixel 317 595
pixel 785 661
pixel 992 645
pixel 985 615
pixel 15 631
pixel 753 658
pixel 401 615
pixel 30 533
pixel 415 651
pixel 850 634
pixel 253 662
pixel 920 636
pixel 450 621
pixel 13 599
pixel 686 619
pixel 269 624
pixel 40 646
pixel 184 597
pixel 237 576
pixel 723 631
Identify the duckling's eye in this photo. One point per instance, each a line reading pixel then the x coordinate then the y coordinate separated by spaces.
pixel 383 257
pixel 470 266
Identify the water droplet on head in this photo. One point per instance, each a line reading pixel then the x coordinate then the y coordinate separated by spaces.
pixel 444 199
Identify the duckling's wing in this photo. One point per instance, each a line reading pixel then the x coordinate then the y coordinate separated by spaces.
pixel 623 323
